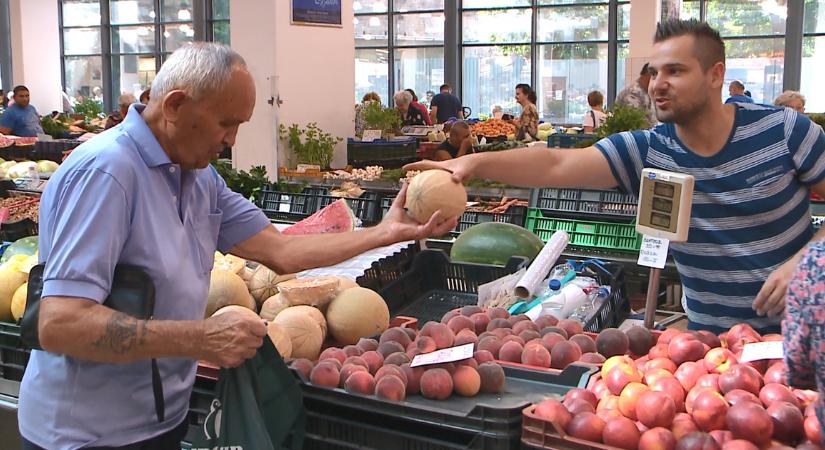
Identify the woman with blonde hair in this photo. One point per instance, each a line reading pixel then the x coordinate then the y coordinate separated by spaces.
pixel 791 99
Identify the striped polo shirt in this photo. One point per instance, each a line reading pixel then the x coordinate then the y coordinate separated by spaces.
pixel 750 205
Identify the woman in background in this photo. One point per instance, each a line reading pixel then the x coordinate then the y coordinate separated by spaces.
pixel 791 99
pixel 360 122
pixel 527 124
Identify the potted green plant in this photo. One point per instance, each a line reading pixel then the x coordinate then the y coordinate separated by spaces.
pixel 619 118
pixel 90 108
pixel 377 117
pixel 310 145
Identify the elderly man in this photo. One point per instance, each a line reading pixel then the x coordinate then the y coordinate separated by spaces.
pixel 636 95
pixel 21 118
pixel 791 99
pixel 737 93
pixel 410 115
pixel 123 102
pixel 144 194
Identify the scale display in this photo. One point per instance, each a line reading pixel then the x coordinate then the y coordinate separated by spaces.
pixel 665 201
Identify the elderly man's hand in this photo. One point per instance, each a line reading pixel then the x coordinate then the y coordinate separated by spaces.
pixel 231 338
pixel 401 227
pixel 771 298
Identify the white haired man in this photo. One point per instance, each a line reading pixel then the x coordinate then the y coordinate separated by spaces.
pixel 791 99
pixel 123 104
pixel 144 194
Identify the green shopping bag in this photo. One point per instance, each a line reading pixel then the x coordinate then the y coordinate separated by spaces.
pixel 257 406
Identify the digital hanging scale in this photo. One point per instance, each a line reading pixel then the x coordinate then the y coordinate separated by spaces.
pixel 662 216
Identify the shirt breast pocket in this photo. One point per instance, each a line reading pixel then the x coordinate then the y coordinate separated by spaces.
pixel 205 232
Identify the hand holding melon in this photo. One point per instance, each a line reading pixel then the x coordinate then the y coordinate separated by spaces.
pixel 231 336
pixel 424 208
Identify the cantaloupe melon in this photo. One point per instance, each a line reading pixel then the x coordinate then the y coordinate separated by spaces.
pixel 312 291
pixel 314 313
pixel 355 313
pixel 274 305
pixel 230 263
pixel 10 280
pixel 227 288
pixel 280 339
pixel 304 332
pixel 264 282
pixel 18 301
pixel 434 190
pixel 345 283
pixel 236 308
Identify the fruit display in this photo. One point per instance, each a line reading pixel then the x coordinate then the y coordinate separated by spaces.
pixel 493 128
pixel 688 390
pixel 381 367
pixel 369 173
pixel 435 190
pixel 495 243
pixel 21 207
pixel 14 273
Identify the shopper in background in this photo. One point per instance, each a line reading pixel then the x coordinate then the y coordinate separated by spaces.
pixel 754 167
pixel 360 121
pixel 21 118
pixel 144 96
pixel 595 117
pixel 737 93
pixel 123 103
pixel 636 95
pixel 791 99
pixel 415 104
pixel 458 143
pixel 145 194
pixel 527 123
pixel 445 106
pixel 409 114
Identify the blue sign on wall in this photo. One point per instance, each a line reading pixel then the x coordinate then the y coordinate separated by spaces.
pixel 321 12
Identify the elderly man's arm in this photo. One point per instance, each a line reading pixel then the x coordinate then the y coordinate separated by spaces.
pixel 85 329
pixel 289 254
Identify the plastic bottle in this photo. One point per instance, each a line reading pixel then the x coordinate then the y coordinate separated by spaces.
pixel 33 177
pixel 561 275
pixel 594 301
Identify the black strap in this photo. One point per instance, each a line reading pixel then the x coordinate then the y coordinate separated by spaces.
pixel 157 390
pixel 593 115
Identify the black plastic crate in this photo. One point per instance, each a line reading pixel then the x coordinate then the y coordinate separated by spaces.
pixel 288 206
pixel 388 269
pixel 607 204
pixel 388 154
pixel 616 308
pixel 367 207
pixel 517 215
pixel 13 355
pixel 53 150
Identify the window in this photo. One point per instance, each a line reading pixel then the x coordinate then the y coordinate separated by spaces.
pixel 813 54
pixel 112 47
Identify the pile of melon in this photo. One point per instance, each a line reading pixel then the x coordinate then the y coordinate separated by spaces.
pixel 15 264
pixel 302 312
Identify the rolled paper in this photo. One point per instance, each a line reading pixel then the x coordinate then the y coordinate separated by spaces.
pixel 530 283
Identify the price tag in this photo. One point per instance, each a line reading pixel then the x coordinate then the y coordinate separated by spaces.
pixel 284 204
pixel 762 350
pixel 444 356
pixel 371 135
pixel 653 252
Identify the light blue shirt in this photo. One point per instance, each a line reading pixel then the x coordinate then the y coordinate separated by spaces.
pixel 119 199
pixel 24 122
pixel 739 99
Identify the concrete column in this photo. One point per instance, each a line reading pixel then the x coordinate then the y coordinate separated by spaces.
pixel 35 45
pixel 644 15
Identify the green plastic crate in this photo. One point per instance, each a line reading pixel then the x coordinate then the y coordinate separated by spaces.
pixel 610 236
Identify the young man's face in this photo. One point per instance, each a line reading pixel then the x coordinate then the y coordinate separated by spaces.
pixel 679 86
pixel 22 98
pixel 457 135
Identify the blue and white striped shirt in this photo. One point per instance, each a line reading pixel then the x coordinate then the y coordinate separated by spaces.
pixel 750 205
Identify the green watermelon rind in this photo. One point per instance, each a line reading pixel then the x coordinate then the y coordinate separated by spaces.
pixel 25 246
pixel 494 243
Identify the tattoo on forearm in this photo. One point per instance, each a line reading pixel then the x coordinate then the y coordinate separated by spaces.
pixel 123 333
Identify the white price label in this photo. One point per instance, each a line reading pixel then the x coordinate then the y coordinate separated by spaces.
pixel 653 252
pixel 371 135
pixel 762 350
pixel 444 356
pixel 284 204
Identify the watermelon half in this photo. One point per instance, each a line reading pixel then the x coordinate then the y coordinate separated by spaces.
pixel 26 246
pixel 494 243
pixel 337 217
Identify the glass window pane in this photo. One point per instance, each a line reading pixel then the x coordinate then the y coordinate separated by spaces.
pixel 813 58
pixel 814 16
pixel 689 9
pixel 582 23
pixel 81 41
pixel 418 5
pixel 494 3
pixel 369 6
pixel 83 77
pixel 569 2
pixel 490 76
pixel 371 73
pixel 420 69
pixel 139 39
pixel 419 29
pixel 622 55
pixel 759 64
pixel 371 30
pixel 567 73
pixel 624 21
pixel 81 13
pixel 131 74
pixel 747 17
pixel 174 36
pixel 220 9
pixel 498 26
pixel 220 32
pixel 176 10
pixel 132 11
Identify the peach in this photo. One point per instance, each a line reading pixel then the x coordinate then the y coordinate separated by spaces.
pixel 738 395
pixel 661 363
pixel 557 330
pixel 492 377
pixel 441 334
pixel 742 377
pixel 391 387
pixel 685 347
pixel 412 378
pixel 777 373
pixel 333 352
pixel 709 410
pixel 360 382
pixel 609 401
pixel 775 392
pixel 652 375
pixel 480 322
pixel 585 343
pixel 710 381
pixel 389 347
pixel 554 411
pixel 352 350
pixel 395 334
pixel 673 389
pixel 535 355
pixel 325 374
pixel 466 381
pixel 483 356
pixel 545 321
pixel 470 362
pixel 739 444
pixel 519 318
pixel 524 325
pixel 788 423
pixel 612 342
pixel 614 361
pixel 469 310
pixel 587 426
pixel 719 360
pixel 657 439
pixel 551 339
pixel 529 335
pixel 366 344
pixel 667 336
pixel 571 326
pixel 581 394
pixel 640 340
pixel 655 409
pixel 629 398
pixel 464 337
pixel 449 315
pixel 721 436
pixel 436 384
pixel 391 370
pixel 459 323
pixel 620 376
pixel 302 365
pixel 688 374
pixel 579 406
pixel 511 351
pixel 563 354
pixel 498 323
pixel 356 360
pixel 491 345
pixel 658 351
pixel 683 425
pixel 425 344
pixel 621 432
pixel 749 421
pixel 813 429
pixel 592 358
pixel 348 370
pixel 373 359
pixel 512 338
pixel 498 313
pixel 697 440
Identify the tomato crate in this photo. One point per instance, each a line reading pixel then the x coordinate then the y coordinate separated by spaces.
pixel 367 207
pixel 602 235
pixel 13 355
pixel 589 204
pixel 290 206
pixel 515 214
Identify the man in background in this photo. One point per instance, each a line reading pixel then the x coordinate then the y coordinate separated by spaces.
pixel 445 106
pixel 737 93
pixel 21 118
pixel 636 95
